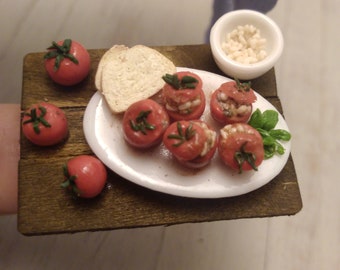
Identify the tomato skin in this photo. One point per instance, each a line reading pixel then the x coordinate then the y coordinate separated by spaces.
pixel 90 173
pixel 174 98
pixel 237 98
pixel 184 95
pixel 158 117
pixel 204 160
pixel 57 132
pixel 70 73
pixel 242 135
pixel 243 97
pixel 190 148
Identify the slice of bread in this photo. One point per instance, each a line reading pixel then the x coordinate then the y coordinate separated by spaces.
pixel 109 55
pixel 130 75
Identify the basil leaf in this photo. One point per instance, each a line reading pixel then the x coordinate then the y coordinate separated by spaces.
pixel 279 148
pixel 256 119
pixel 265 123
pixel 270 119
pixel 263 133
pixel 269 151
pixel 271 147
pixel 269 141
pixel 189 79
pixel 280 134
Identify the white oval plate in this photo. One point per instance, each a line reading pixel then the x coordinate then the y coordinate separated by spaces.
pixel 157 170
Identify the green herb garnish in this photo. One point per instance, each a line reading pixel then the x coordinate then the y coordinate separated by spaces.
pixel 265 123
pixel 69 181
pixel 187 82
pixel 141 124
pixel 36 120
pixel 243 156
pixel 182 136
pixel 59 52
pixel 243 87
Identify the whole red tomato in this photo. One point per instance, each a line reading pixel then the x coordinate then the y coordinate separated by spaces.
pixel 44 124
pixel 67 62
pixel 85 175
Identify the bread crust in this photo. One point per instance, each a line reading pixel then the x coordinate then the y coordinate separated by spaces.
pixel 127 75
pixel 109 55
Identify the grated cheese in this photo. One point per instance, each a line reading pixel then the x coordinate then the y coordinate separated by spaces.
pixel 245 45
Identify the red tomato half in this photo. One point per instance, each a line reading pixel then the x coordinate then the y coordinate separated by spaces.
pixel 67 62
pixel 44 124
pixel 181 101
pixel 85 175
pixel 209 148
pixel 232 103
pixel 241 147
pixel 185 140
pixel 144 123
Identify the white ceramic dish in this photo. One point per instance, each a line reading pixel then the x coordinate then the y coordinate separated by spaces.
pixel 157 170
pixel 269 30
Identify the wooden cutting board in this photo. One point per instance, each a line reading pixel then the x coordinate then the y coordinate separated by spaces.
pixel 45 208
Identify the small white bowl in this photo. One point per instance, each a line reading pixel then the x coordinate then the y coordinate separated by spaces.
pixel 268 30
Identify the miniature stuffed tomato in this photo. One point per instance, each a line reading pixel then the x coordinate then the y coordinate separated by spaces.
pixel 85 175
pixel 67 62
pixel 240 146
pixel 192 143
pixel 232 102
pixel 209 148
pixel 44 124
pixel 183 96
pixel 144 123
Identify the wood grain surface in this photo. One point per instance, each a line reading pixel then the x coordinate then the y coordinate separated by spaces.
pixel 45 208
